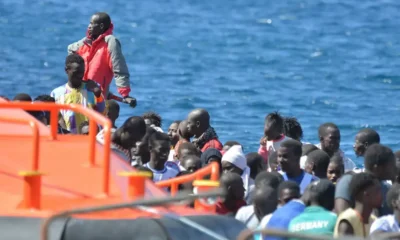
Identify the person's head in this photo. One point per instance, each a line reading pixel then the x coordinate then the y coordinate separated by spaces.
pixel 5 98
pixel 335 168
pixel 273 126
pixel 131 131
pixel 147 170
pixel 307 148
pixel 47 99
pixel 380 161
pixel 113 110
pixel 317 163
pixel 22 97
pixel 186 149
pixel 99 23
pixel 173 132
pixel 292 128
pixel 141 152
pixel 75 69
pixel 287 191
pixel 211 155
pixel 228 145
pixel 322 193
pixel 365 188
pixel 393 198
pixel 233 184
pixel 256 163
pixel 273 161
pixel 191 163
pixel 152 118
pixel 289 155
pixel 364 138
pixel 329 137
pixel 265 201
pixel 234 160
pixel 270 179
pixel 183 131
pixel 159 147
pixel 198 121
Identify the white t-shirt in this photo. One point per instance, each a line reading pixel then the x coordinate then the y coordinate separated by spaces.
pixel 165 174
pixel 386 223
pixel 247 216
pixel 349 165
pixel 273 146
pixel 265 221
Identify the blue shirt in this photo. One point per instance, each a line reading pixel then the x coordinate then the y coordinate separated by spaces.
pixel 308 178
pixel 282 216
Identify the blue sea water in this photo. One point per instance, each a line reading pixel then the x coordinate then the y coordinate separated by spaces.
pixel 317 60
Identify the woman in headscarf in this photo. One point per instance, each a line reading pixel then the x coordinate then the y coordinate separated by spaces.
pixel 234 160
pixel 211 155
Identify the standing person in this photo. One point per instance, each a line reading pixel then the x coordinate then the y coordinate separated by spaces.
pixel 159 146
pixel 76 91
pixel 317 218
pixel 256 164
pixel 273 135
pixel 292 128
pixel 366 191
pixel 103 56
pixel 289 159
pixel 389 223
pixel 329 137
pixel 380 161
pixel 198 124
pixel 184 137
pixel 365 138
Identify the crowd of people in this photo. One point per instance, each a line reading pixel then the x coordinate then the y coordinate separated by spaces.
pixel 288 184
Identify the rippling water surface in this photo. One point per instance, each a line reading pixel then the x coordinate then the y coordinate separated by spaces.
pixel 321 60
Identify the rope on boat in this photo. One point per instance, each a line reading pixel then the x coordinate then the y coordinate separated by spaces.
pixel 142 202
pixel 186 221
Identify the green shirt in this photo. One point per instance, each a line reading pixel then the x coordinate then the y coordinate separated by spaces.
pixel 314 220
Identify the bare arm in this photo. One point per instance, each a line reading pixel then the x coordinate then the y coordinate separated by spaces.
pixel 345 228
pixel 341 205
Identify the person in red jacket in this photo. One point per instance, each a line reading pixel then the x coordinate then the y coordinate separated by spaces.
pixel 103 57
pixel 198 125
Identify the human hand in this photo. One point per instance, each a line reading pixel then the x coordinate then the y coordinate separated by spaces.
pixel 130 100
pixel 92 86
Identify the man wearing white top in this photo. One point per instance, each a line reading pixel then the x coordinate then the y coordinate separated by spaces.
pixel 329 137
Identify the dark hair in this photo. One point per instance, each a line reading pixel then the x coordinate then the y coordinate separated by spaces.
pixel 292 128
pixel 307 148
pixel 337 159
pixel 270 179
pixel 322 192
pixel 320 159
pixel 188 157
pixel 22 97
pixel 276 118
pixel 114 104
pixel 393 195
pixel 132 130
pixel 105 19
pixel 4 97
pixel 369 135
pixel 377 154
pixel 294 146
pixel 44 98
pixel 323 127
pixel 190 147
pixel 360 182
pixel 255 162
pixel 231 143
pixel 154 118
pixel 74 58
pixel 158 136
pixel 293 186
